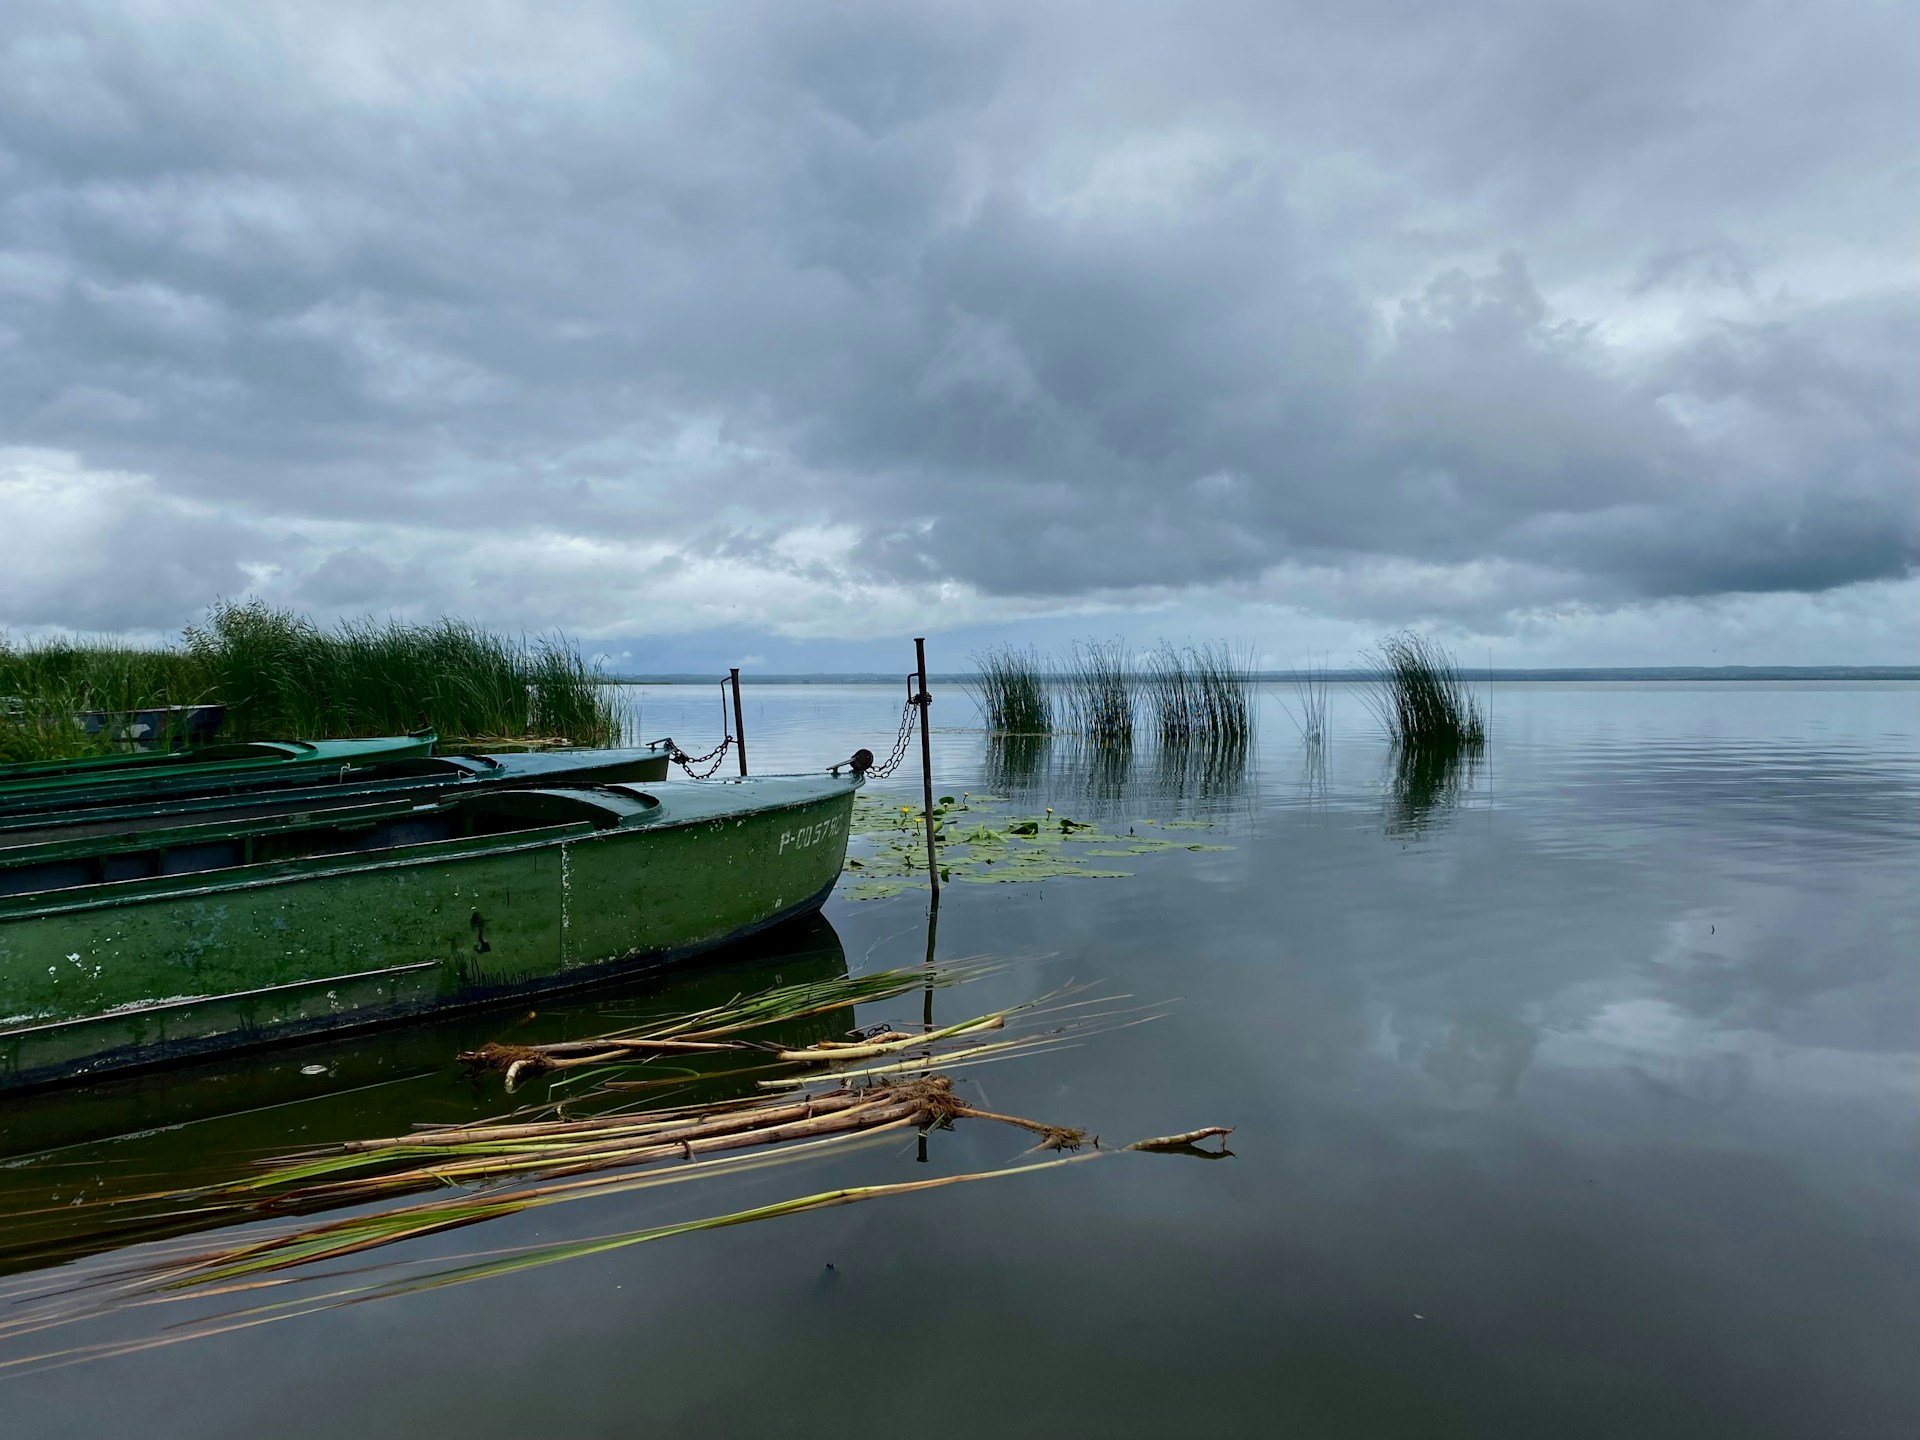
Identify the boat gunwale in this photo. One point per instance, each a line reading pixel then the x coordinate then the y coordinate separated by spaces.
pixel 81 767
pixel 128 775
pixel 104 895
pixel 466 771
pixel 296 819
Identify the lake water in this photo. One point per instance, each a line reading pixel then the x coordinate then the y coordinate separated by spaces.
pixel 1575 1094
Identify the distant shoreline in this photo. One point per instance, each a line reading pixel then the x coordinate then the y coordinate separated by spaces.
pixel 1729 673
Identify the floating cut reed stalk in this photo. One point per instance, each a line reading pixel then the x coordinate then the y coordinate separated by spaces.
pixel 489 1170
pixel 1420 698
pixel 1198 692
pixel 1100 692
pixel 247 1268
pixel 1011 691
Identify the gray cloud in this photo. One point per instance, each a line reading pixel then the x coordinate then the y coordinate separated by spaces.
pixel 1610 304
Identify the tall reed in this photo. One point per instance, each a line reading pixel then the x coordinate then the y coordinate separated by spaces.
pixel 1100 692
pixel 46 685
pixel 1419 697
pixel 1310 698
pixel 1011 691
pixel 1198 692
pixel 281 675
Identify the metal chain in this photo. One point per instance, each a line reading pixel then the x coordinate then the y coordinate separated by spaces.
pixel 713 757
pixel 687 762
pixel 900 742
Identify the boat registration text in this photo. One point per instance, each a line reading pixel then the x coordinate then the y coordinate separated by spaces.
pixel 809 834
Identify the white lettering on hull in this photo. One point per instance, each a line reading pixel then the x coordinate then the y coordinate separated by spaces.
pixel 808 835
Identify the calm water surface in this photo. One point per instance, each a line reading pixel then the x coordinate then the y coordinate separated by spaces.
pixel 1575 1095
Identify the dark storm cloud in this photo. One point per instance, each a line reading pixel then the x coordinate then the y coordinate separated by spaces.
pixel 1046 301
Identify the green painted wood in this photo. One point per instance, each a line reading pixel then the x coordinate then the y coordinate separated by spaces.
pixel 137 971
pixel 108 779
pixel 91 769
pixel 108 807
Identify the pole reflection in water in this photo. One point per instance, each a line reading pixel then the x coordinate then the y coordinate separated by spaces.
pixel 926 1016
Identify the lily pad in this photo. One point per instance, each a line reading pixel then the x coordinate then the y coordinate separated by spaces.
pixel 984 849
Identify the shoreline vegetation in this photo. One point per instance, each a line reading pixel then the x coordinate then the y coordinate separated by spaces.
pixel 281 675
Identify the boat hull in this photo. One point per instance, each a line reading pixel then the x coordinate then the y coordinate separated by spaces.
pixel 155 972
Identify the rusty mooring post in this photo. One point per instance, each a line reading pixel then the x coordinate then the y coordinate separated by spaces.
pixel 924 701
pixel 739 724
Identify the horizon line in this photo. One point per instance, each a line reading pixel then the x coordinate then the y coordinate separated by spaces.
pixel 1533 673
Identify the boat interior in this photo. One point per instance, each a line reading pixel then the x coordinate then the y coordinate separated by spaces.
pixel 260 796
pixel 108 808
pixel 356 827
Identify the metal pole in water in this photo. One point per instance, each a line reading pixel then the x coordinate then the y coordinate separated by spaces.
pixel 924 701
pixel 739 724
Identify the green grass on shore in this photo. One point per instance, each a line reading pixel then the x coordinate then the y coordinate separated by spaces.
pixel 282 676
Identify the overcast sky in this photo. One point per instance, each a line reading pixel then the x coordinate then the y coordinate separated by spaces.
pixel 1577 333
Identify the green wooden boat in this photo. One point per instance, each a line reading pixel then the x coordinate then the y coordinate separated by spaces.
pixel 183 940
pixel 97 779
pixel 53 815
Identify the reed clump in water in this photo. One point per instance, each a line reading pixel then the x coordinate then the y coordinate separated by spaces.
pixel 1420 698
pixel 1011 691
pixel 281 675
pixel 1199 693
pixel 1100 692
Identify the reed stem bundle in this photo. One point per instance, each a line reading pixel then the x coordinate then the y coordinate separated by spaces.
pixel 489 1170
pixel 1010 687
pixel 1309 707
pixel 1100 692
pixel 1419 697
pixel 1199 692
